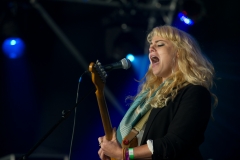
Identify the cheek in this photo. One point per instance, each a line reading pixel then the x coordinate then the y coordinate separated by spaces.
pixel 166 59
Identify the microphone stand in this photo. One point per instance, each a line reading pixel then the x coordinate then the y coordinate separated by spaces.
pixel 65 114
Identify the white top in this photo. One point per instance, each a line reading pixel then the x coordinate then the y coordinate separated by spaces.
pixel 149 142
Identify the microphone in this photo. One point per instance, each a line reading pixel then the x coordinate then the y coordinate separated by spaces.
pixel 123 64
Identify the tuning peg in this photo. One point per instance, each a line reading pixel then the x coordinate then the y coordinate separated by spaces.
pixel 98 63
pixel 105 74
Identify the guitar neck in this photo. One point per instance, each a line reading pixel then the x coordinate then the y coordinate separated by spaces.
pixel 99 79
pixel 104 114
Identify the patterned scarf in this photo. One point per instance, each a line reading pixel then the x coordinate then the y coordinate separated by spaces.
pixel 136 111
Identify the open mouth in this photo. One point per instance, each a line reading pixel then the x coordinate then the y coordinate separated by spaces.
pixel 154 59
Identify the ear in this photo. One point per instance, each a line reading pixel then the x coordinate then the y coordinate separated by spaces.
pixel 177 55
pixel 178 51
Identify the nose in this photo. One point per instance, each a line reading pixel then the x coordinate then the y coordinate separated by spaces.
pixel 151 49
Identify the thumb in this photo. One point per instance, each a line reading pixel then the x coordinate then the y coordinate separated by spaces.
pixel 114 136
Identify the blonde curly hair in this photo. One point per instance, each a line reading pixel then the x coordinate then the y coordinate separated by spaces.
pixel 193 67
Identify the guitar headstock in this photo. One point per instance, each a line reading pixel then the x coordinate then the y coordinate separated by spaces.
pixel 99 75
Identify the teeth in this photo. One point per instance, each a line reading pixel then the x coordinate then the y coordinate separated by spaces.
pixel 154 59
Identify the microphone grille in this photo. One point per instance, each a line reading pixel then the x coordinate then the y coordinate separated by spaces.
pixel 125 63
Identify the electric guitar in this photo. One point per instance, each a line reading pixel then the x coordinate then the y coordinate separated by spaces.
pixel 99 76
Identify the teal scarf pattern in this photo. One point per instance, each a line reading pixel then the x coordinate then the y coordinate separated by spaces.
pixel 136 111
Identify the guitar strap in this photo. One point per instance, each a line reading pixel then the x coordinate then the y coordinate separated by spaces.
pixel 131 139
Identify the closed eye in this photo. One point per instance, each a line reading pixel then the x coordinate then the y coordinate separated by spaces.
pixel 160 45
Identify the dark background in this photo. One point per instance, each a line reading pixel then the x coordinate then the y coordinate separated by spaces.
pixel 36 87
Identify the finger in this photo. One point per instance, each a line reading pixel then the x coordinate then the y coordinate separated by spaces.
pixel 100 139
pixel 101 154
pixel 108 158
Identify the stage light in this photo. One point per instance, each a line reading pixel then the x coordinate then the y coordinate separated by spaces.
pixel 191 11
pixel 183 17
pixel 140 65
pixel 13 47
pixel 130 57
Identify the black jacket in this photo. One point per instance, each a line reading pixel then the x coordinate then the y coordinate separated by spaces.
pixel 177 130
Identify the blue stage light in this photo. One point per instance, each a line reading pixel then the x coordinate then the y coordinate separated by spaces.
pixel 185 19
pixel 13 47
pixel 130 57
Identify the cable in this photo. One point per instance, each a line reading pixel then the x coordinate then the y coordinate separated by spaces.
pixel 74 119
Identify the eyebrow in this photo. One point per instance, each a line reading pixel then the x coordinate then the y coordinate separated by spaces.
pixel 157 41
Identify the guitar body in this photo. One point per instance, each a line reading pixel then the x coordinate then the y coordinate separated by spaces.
pixel 132 143
pixel 99 79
